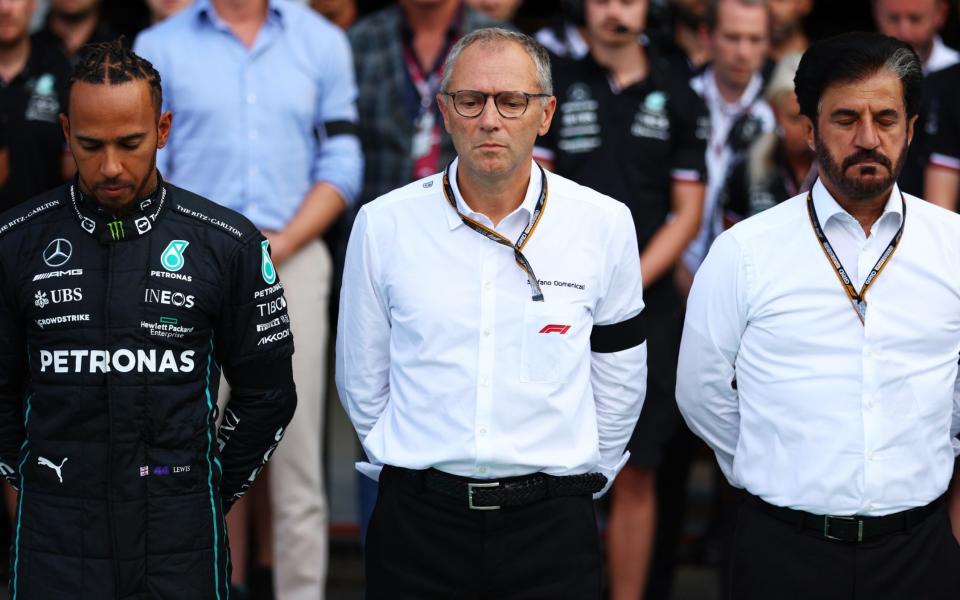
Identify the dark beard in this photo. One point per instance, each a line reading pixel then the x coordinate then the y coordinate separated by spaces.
pixel 854 189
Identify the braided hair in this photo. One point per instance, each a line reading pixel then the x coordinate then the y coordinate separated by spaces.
pixel 113 64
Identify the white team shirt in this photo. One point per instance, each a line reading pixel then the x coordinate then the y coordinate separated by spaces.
pixel 828 415
pixel 442 358
pixel 723 115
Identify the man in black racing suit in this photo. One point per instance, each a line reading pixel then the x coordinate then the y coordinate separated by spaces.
pixel 121 299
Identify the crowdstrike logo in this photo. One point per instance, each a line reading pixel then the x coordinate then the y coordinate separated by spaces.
pixel 122 361
pixel 57 252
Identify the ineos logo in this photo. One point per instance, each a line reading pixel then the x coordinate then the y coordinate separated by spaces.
pixel 58 252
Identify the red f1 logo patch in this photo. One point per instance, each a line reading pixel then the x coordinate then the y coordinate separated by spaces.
pixel 554 328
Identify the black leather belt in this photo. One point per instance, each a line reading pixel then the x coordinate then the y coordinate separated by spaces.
pixel 480 494
pixel 853 529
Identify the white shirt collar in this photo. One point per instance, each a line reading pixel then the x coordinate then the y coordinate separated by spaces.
pixel 528 204
pixel 941 57
pixel 827 207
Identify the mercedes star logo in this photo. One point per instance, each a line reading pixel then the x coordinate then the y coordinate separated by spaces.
pixel 58 252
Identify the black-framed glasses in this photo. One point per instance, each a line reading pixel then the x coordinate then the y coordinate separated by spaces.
pixel 510 105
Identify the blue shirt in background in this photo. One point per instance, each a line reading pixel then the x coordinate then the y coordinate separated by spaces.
pixel 255 128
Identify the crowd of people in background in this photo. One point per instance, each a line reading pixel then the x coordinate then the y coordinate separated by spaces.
pixel 682 109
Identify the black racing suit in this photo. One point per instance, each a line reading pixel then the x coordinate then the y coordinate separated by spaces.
pixel 114 334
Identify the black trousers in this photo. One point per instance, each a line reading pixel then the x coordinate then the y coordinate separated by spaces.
pixel 772 559
pixel 423 545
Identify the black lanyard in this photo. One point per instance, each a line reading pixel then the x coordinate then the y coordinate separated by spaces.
pixel 496 237
pixel 857 300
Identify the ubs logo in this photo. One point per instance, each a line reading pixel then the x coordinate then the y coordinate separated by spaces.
pixel 57 252
pixel 58 296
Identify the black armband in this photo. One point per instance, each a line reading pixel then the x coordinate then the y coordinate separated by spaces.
pixel 334 128
pixel 618 336
pixel 277 373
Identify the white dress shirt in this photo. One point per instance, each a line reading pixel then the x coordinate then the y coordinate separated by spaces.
pixel 441 358
pixel 828 415
pixel 723 115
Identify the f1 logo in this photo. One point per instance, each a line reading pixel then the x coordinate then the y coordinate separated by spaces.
pixel 555 328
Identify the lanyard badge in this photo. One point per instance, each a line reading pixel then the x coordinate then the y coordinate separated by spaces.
pixel 425 143
pixel 857 299
pixel 525 235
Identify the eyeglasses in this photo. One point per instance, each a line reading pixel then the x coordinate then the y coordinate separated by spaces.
pixel 510 105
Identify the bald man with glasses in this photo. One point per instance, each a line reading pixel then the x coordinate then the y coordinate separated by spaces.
pixel 490 352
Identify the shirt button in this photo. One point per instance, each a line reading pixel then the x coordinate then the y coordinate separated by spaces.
pixel 482 431
pixel 484 382
pixel 871 404
pixel 253 135
pixel 486 332
pixel 482 470
pixel 251 98
pixel 254 171
pixel 867 351
pixel 870 455
pixel 867 507
pixel 488 285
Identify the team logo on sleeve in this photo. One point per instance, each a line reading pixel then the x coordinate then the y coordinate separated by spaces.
pixel 172 257
pixel 655 102
pixel 267 269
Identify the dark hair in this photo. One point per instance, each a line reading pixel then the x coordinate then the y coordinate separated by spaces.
pixel 851 57
pixel 112 63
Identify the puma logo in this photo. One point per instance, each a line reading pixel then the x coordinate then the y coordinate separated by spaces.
pixel 46 463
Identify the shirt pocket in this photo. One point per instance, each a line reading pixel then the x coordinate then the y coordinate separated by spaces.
pixel 553 340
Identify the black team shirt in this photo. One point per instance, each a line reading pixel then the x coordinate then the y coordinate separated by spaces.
pixel 630 144
pixel 30 105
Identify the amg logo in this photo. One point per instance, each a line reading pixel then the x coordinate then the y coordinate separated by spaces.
pixel 178 299
pixel 171 275
pixel 555 328
pixel 122 361
pixel 274 337
pixel 52 274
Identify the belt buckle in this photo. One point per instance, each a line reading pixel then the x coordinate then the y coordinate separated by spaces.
pixel 826 527
pixel 472 487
